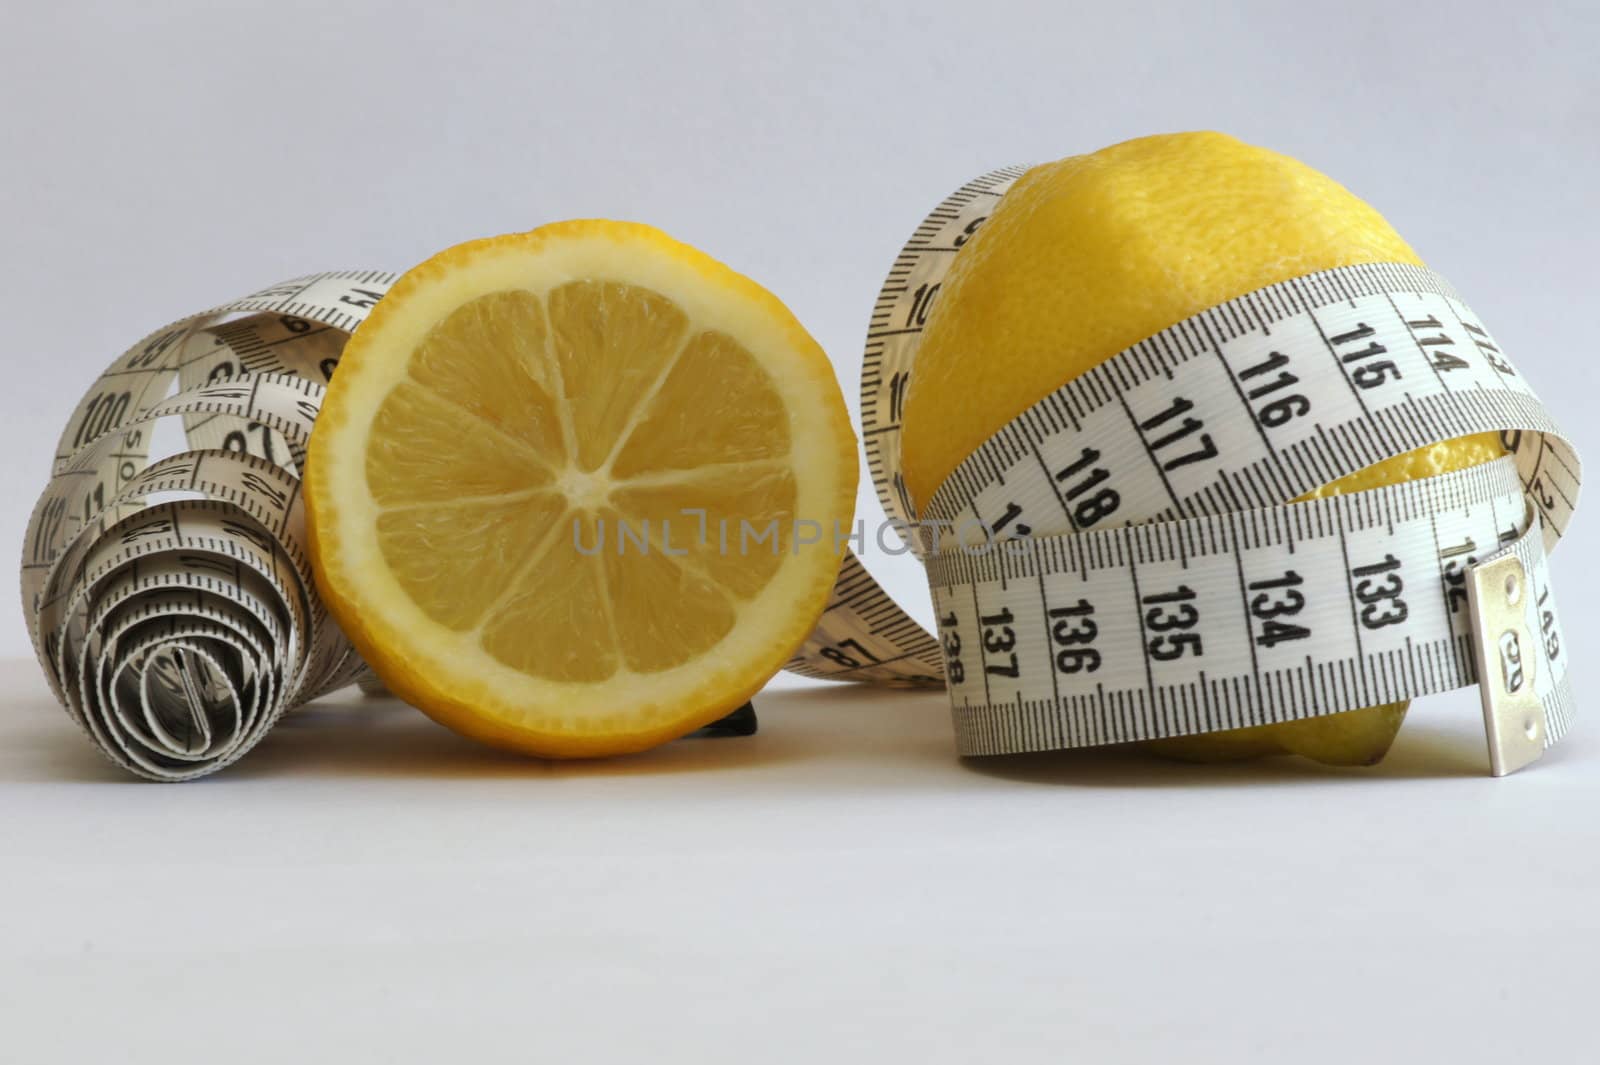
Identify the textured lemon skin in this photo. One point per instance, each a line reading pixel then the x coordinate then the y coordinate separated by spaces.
pixel 335 562
pixel 1086 256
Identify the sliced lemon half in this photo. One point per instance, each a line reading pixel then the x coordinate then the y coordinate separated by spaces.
pixel 576 491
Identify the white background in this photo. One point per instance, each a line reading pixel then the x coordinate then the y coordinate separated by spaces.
pixel 845 884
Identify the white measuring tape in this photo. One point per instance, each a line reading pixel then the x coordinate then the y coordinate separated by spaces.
pixel 1120 563
pixel 171 600
pixel 1117 563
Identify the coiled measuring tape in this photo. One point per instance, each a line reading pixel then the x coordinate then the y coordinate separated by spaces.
pixel 170 600
pixel 1120 561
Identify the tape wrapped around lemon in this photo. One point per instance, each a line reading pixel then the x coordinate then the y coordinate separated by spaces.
pixel 516 399
pixel 1086 256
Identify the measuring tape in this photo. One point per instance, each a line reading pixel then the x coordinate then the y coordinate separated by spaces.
pixel 1119 562
pixel 170 600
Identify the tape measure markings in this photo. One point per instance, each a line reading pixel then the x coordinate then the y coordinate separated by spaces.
pixel 1144 428
pixel 886 367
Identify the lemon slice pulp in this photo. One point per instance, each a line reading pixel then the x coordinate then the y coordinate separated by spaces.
pixel 575 491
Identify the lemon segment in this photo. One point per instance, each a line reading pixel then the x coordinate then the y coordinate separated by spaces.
pixel 553 488
pixel 1084 257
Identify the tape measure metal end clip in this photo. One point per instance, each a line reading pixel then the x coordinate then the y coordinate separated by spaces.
pixel 1513 716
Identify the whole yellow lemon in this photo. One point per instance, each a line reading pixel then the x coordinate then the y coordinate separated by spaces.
pixel 1088 255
